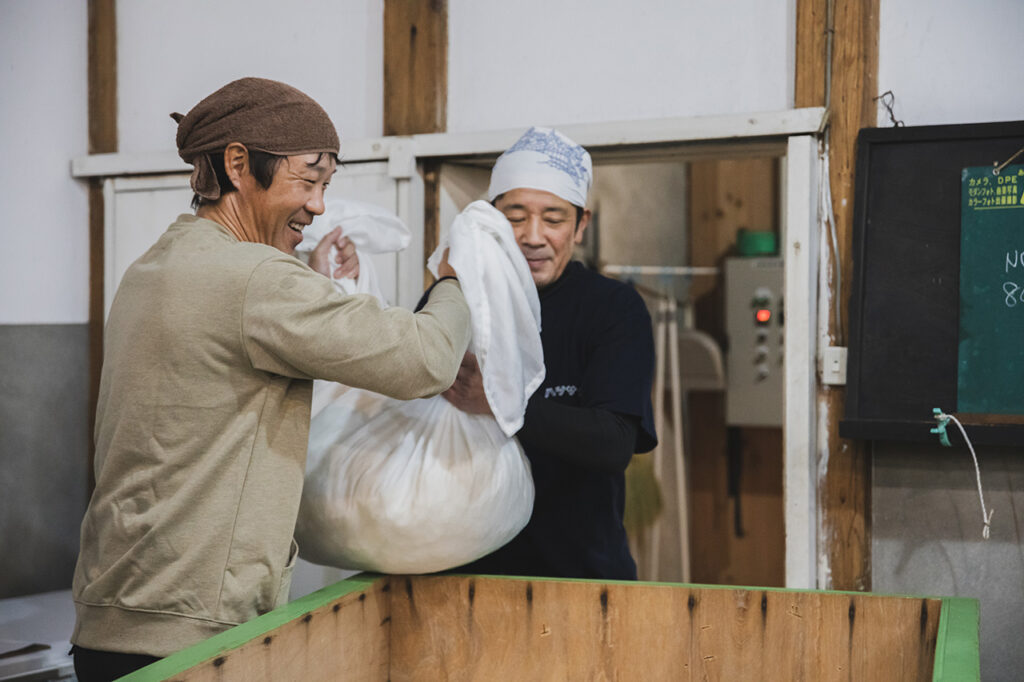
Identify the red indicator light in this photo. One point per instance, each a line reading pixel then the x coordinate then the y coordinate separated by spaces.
pixel 763 315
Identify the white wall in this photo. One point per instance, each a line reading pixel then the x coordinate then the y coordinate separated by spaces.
pixel 950 61
pixel 947 61
pixel 514 64
pixel 44 263
pixel 172 54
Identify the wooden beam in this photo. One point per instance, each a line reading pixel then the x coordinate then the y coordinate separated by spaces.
pixel 844 491
pixel 811 56
pixel 415 66
pixel 431 212
pixel 102 76
pixel 416 90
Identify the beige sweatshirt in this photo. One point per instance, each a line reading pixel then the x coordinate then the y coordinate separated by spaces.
pixel 202 425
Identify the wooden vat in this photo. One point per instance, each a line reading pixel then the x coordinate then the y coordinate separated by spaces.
pixel 452 627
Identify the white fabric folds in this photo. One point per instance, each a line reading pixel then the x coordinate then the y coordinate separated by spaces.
pixel 419 486
pixel 547 160
pixel 371 228
pixel 504 307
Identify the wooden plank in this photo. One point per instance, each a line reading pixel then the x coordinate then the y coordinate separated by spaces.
pixel 473 627
pixel 431 212
pixel 811 55
pixel 102 68
pixel 102 112
pixel 97 273
pixel 845 494
pixel 477 627
pixel 415 66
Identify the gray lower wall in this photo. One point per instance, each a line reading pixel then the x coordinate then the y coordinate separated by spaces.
pixel 927 537
pixel 44 393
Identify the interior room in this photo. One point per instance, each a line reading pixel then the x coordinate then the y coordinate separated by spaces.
pixel 775 186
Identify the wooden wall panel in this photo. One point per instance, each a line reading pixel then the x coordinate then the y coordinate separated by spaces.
pixel 473 628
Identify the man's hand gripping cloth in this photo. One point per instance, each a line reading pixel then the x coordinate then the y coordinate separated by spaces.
pixel 372 229
pixel 420 486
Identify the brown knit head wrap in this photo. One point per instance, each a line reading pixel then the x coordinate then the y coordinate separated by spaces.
pixel 262 114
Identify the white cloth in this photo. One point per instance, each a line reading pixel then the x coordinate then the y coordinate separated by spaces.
pixel 371 228
pixel 544 159
pixel 504 308
pixel 420 486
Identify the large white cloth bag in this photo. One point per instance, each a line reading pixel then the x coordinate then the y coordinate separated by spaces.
pixel 419 486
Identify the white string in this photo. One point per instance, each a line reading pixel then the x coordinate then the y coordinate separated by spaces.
pixel 986 516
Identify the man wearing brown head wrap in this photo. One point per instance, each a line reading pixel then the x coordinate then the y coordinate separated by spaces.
pixel 211 345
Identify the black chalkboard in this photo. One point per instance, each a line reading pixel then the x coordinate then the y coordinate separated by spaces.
pixel 904 329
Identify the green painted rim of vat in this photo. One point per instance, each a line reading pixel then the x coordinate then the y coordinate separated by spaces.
pixel 956 649
pixel 240 634
pixel 957 655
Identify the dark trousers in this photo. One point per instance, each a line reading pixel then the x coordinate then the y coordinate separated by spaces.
pixel 101 666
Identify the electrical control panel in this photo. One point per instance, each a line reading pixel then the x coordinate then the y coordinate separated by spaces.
pixel 754 326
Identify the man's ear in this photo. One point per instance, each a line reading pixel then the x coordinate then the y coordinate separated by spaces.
pixel 236 163
pixel 581 226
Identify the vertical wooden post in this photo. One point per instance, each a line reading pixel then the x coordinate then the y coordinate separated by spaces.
pixel 415 66
pixel 811 53
pixel 416 89
pixel 102 75
pixel 844 492
pixel 431 212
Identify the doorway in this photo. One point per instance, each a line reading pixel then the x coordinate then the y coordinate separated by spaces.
pixel 660 207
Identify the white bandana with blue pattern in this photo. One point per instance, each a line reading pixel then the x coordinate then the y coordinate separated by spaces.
pixel 547 160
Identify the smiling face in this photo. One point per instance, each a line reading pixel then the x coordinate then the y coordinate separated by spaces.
pixel 545 228
pixel 278 213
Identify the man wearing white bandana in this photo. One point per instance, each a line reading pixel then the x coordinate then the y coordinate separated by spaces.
pixel 593 410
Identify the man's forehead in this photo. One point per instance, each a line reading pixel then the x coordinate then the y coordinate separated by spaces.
pixel 527 197
pixel 319 162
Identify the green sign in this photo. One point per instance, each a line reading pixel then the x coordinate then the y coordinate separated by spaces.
pixel 990 374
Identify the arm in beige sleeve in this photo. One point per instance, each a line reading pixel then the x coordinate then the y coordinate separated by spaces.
pixel 296 324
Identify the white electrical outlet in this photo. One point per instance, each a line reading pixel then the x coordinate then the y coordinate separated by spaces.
pixel 833 371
